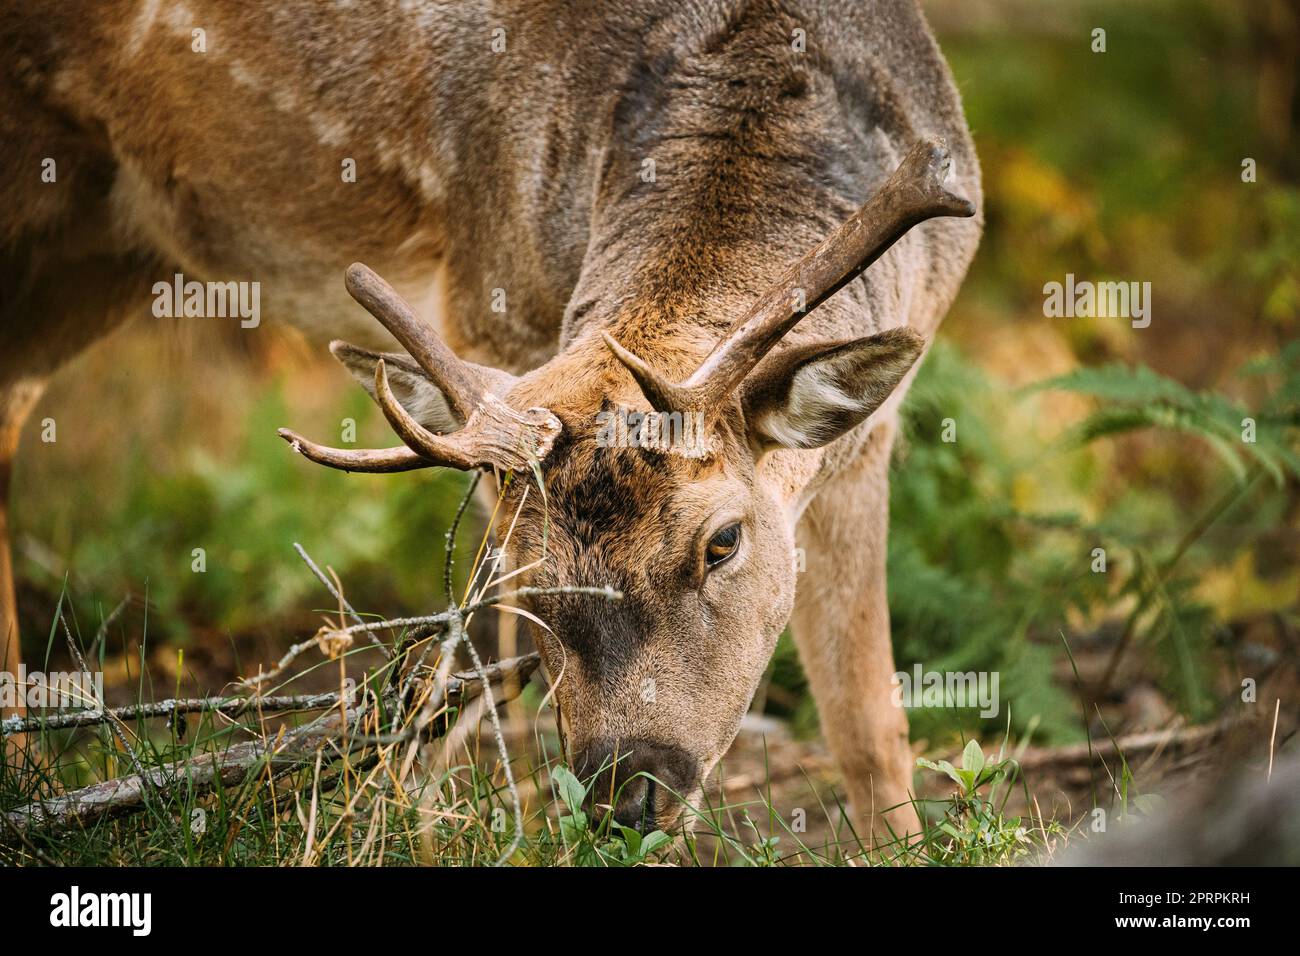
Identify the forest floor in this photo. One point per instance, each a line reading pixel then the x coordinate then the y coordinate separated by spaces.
pixel 772 778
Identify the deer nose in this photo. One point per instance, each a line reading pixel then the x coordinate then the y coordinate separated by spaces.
pixel 635 808
pixel 630 778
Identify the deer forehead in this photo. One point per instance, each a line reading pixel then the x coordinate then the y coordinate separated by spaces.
pixel 615 508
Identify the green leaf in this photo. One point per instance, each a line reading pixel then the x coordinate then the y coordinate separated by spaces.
pixel 570 788
pixel 653 841
pixel 574 827
pixel 942 766
pixel 967 780
pixel 632 839
pixel 959 835
pixel 972 758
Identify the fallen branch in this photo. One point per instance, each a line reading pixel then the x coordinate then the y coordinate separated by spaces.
pixel 289 750
pixel 228 706
pixel 1131 746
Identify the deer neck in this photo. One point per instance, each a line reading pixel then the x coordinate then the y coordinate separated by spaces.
pixel 670 269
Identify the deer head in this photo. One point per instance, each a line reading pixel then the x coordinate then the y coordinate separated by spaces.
pixel 699 540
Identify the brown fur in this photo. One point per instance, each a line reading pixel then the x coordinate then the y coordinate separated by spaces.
pixel 522 171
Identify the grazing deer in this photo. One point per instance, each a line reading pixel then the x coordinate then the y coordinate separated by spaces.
pixel 595 207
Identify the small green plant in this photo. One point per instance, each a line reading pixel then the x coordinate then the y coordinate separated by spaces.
pixel 974 831
pixel 599 842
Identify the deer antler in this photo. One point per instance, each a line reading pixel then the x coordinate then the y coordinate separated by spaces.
pixel 494 436
pixel 460 383
pixel 914 193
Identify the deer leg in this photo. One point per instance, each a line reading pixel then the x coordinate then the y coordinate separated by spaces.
pixel 46 320
pixel 841 627
pixel 16 403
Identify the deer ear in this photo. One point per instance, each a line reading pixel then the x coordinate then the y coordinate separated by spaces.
pixel 410 384
pixel 810 395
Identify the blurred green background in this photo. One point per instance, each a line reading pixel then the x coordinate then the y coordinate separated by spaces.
pixel 1123 165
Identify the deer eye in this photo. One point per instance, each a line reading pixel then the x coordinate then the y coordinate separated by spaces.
pixel 722 545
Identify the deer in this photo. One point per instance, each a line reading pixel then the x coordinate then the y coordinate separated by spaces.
pixel 752 214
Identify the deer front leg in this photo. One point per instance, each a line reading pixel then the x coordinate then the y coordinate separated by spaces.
pixel 841 627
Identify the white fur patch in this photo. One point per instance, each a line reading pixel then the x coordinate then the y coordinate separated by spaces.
pixel 141 26
pixel 813 398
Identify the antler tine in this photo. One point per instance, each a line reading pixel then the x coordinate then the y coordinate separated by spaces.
pixel 459 383
pixel 662 394
pixel 496 436
pixel 444 451
pixel 370 460
pixel 914 193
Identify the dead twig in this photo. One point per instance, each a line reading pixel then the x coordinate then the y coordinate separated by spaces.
pixel 424 623
pixel 338 596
